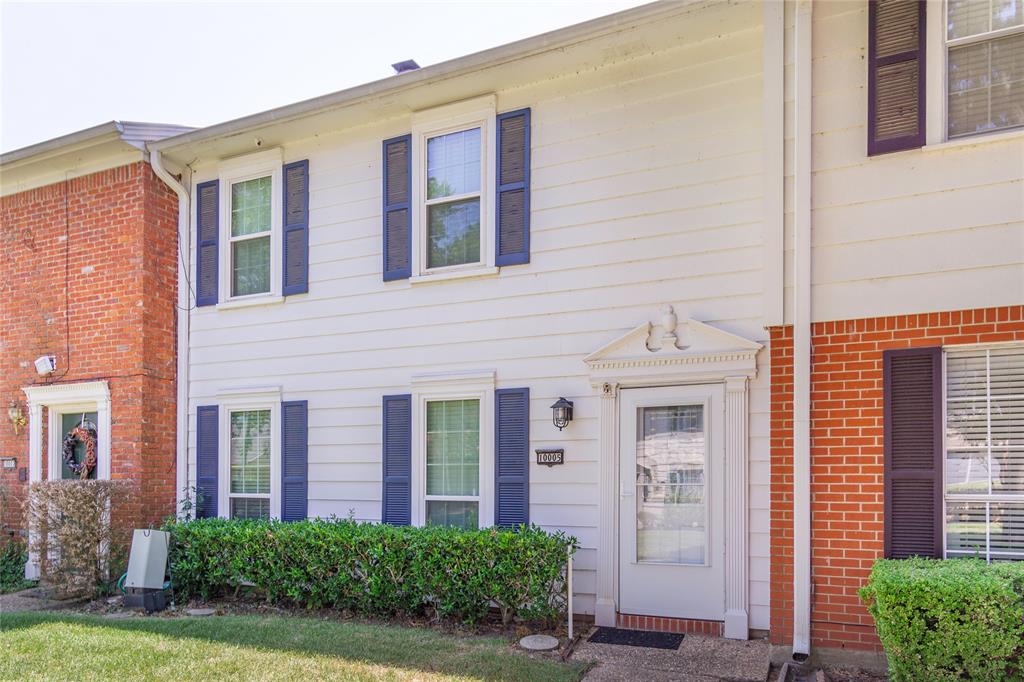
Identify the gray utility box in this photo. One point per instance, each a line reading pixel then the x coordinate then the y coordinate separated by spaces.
pixel 147 565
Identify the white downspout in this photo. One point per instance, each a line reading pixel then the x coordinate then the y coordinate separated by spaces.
pixel 802 332
pixel 184 316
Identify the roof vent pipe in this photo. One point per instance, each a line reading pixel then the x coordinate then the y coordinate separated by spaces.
pixel 407 65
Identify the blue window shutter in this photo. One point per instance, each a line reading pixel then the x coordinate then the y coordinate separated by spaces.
pixel 513 195
pixel 296 228
pixel 396 506
pixel 397 209
pixel 207 239
pixel 294 460
pixel 207 465
pixel 511 457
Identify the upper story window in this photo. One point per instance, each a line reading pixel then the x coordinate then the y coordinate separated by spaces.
pixel 984 42
pixel 252 231
pixel 250 236
pixel 453 190
pixel 453 197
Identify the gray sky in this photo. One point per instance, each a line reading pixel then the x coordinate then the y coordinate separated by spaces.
pixel 68 66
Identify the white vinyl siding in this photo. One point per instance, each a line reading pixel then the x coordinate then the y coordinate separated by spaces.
pixel 984 477
pixel 930 230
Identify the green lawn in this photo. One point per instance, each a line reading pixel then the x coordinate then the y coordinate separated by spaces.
pixel 56 647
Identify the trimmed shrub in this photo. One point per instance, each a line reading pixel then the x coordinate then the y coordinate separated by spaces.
pixel 375 569
pixel 949 619
pixel 81 533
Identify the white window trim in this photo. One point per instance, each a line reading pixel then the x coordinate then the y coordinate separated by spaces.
pixel 474 113
pixel 946 497
pixel 240 169
pixel 473 385
pixel 936 101
pixel 239 400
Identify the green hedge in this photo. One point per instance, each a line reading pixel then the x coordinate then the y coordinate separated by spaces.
pixel 374 569
pixel 949 620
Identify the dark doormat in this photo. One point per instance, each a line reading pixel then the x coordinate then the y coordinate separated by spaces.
pixel 651 640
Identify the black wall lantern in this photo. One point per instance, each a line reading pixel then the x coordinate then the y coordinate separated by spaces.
pixel 561 413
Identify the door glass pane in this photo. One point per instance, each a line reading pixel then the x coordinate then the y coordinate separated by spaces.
pixel 68 422
pixel 671 503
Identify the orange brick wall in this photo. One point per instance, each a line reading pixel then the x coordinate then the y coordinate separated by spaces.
pixel 846 458
pixel 120 227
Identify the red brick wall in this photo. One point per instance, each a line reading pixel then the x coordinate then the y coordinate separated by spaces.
pixel 121 232
pixel 846 458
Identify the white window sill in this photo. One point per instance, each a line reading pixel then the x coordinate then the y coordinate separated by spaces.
pixel 486 271
pixel 971 140
pixel 231 304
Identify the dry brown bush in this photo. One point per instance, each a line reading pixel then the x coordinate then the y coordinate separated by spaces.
pixel 79 533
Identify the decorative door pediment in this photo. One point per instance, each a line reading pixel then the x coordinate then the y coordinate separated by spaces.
pixel 673 351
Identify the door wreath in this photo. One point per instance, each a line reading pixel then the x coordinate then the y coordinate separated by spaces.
pixel 80 434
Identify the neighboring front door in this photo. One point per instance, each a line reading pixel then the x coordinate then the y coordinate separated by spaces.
pixel 671 506
pixel 69 421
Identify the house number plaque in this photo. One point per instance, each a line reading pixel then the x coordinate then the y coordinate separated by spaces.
pixel 551 457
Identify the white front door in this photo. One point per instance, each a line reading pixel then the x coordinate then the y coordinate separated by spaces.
pixel 671 506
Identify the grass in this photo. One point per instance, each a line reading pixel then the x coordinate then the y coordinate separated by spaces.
pixel 71 647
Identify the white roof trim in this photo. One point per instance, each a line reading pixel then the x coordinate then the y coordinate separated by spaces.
pixel 545 42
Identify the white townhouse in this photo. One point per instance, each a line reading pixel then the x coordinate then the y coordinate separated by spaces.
pixel 388 287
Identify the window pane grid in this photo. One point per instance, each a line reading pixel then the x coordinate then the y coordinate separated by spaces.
pixel 453 463
pixel 250 236
pixel 985 66
pixel 985 453
pixel 453 199
pixel 250 452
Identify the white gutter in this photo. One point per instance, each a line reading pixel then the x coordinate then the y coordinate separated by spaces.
pixel 802 332
pixel 184 313
pixel 774 140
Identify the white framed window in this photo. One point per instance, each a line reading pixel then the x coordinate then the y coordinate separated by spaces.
pixel 976 68
pixel 453 449
pixel 250 227
pixel 984 452
pixel 453 190
pixel 250 437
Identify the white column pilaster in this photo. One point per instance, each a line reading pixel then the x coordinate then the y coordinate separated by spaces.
pixel 736 509
pixel 605 610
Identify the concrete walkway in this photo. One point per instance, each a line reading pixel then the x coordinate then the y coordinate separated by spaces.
pixel 700 659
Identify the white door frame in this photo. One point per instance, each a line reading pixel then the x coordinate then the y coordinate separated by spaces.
pixel 59 399
pixel 670 354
